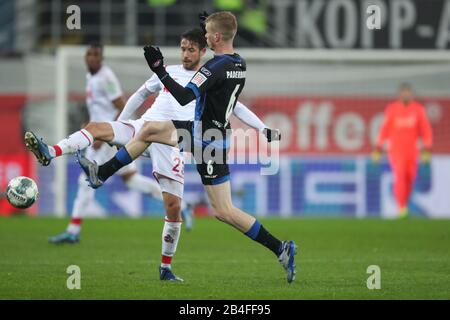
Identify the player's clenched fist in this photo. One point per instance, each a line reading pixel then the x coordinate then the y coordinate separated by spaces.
pixel 154 58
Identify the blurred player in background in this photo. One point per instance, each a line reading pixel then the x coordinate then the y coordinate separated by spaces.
pixel 405 121
pixel 105 100
pixel 215 88
pixel 167 160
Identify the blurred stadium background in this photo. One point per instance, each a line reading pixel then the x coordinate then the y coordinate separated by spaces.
pixel 314 70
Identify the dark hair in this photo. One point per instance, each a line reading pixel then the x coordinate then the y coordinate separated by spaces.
pixel 195 35
pixel 96 45
pixel 405 86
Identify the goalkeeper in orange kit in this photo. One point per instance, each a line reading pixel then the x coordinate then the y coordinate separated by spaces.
pixel 404 122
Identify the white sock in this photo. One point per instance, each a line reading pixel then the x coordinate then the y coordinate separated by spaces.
pixel 74 228
pixel 146 185
pixel 77 140
pixel 170 236
pixel 85 194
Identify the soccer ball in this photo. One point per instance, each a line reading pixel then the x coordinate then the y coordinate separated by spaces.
pixel 22 192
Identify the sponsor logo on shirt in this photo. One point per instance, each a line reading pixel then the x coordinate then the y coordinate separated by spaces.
pixel 205 71
pixel 218 124
pixel 198 79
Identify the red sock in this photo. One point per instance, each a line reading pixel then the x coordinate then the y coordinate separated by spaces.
pixel 58 150
pixel 76 221
pixel 166 259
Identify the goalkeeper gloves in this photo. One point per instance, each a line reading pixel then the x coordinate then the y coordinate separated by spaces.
pixel 376 155
pixel 155 59
pixel 202 17
pixel 425 157
pixel 272 134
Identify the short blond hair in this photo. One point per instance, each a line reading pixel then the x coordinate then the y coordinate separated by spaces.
pixel 223 22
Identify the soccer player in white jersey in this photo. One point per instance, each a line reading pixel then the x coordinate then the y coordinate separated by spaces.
pixel 168 164
pixel 105 100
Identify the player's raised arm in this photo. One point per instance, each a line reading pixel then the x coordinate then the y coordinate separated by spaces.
pixel 248 117
pixel 155 61
pixel 136 100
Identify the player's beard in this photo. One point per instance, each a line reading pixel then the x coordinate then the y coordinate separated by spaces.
pixel 191 65
pixel 93 69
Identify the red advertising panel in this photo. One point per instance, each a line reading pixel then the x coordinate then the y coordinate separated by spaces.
pixel 347 125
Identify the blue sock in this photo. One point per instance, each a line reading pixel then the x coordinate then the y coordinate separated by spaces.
pixel 258 233
pixel 254 230
pixel 123 156
pixel 120 160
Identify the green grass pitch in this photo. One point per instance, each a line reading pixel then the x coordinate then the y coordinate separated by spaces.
pixel 119 259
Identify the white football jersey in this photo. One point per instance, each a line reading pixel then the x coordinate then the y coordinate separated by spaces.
pixel 101 89
pixel 166 107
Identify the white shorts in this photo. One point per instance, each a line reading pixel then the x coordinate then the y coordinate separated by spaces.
pixel 167 160
pixel 171 186
pixel 105 153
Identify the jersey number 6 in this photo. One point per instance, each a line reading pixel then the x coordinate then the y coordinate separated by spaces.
pixel 230 105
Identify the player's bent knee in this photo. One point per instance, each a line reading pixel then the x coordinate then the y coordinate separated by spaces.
pixel 147 130
pixel 227 212
pixel 173 209
pixel 91 127
pixel 172 205
pixel 100 130
pixel 223 213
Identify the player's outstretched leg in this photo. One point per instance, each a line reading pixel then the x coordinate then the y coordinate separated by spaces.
pixel 152 131
pixel 220 198
pixel 38 148
pixel 76 141
pixel 95 175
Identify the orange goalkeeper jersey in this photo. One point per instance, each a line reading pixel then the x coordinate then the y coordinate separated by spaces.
pixel 403 125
